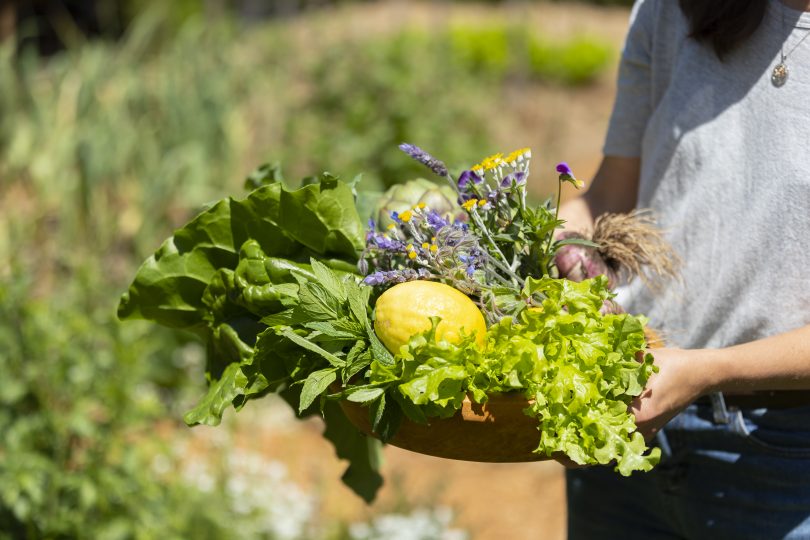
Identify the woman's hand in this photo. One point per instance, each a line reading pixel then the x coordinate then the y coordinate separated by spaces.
pixel 681 379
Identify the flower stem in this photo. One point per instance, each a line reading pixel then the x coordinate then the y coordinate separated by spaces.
pixel 502 265
pixel 556 215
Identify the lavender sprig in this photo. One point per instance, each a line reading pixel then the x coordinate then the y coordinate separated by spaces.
pixel 425 159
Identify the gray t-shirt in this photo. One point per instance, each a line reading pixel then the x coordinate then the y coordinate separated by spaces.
pixel 725 164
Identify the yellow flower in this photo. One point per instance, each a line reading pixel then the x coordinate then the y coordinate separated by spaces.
pixel 492 162
pixel 434 248
pixel 409 247
pixel 482 202
pixel 425 245
pixel 412 255
pixel 468 205
pixel 420 206
pixel 391 226
pixel 406 216
pixel 518 155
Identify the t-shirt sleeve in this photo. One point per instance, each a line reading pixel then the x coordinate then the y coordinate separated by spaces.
pixel 633 104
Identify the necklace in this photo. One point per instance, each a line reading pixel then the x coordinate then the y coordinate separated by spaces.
pixel 779 75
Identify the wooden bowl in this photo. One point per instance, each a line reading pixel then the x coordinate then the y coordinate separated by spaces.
pixel 495 432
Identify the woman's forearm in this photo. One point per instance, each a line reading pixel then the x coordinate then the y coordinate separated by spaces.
pixel 780 362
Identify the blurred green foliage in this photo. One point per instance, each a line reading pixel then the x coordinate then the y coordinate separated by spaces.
pixel 437 89
pixel 107 147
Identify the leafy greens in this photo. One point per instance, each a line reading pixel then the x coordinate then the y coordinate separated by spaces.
pixel 270 283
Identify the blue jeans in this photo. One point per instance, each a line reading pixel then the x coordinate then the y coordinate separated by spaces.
pixel 748 479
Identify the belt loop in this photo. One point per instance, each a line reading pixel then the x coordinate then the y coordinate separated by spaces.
pixel 719 409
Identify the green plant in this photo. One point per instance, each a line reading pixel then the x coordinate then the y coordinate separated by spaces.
pixel 576 62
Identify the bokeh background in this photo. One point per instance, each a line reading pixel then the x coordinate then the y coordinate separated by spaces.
pixel 120 119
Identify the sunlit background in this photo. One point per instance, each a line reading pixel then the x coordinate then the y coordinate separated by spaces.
pixel 120 119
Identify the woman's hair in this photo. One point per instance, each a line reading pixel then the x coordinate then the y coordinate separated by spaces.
pixel 723 24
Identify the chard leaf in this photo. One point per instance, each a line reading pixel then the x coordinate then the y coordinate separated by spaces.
pixel 323 217
pixel 267 173
pixel 168 287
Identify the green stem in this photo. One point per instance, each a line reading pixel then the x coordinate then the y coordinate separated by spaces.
pixel 556 217
pixel 502 265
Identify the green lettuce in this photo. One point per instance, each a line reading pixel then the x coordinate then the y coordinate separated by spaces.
pixel 579 368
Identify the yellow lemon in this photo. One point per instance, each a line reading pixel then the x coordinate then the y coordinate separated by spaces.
pixel 405 310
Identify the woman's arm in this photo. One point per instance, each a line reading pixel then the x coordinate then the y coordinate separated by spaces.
pixel 780 362
pixel 614 189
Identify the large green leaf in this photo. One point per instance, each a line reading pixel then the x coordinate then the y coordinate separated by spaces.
pixel 318 219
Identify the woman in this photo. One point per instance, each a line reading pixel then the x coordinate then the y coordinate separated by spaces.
pixel 711 129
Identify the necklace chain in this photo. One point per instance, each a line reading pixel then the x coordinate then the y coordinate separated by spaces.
pixel 779 75
pixel 784 56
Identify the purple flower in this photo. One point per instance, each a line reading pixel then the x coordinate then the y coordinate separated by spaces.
pixel 377 278
pixel 392 276
pixel 424 158
pixel 387 244
pixel 564 169
pixel 567 175
pixel 395 216
pixel 467 177
pixel 458 224
pixel 435 221
pixel 514 178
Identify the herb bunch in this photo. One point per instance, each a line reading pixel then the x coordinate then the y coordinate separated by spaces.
pixel 488 251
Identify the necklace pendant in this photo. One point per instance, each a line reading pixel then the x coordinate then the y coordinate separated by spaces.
pixel 779 74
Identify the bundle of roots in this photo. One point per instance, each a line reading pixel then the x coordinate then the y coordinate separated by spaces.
pixel 630 245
